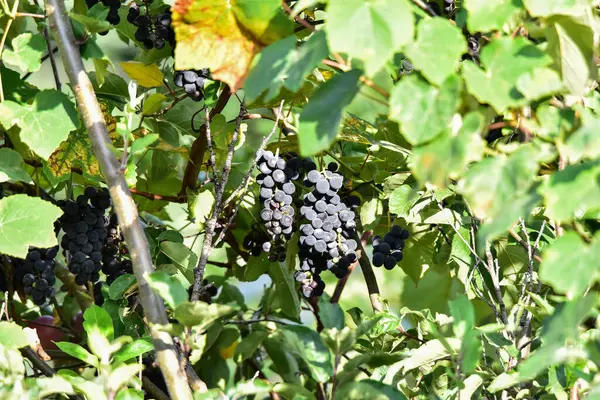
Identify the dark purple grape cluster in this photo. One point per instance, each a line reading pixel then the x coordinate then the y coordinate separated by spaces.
pixel 36 274
pixel 152 31
pixel 113 10
pixel 473 42
pixel 86 227
pixel 387 251
pixel 209 290
pixel 113 262
pixel 327 238
pixel 254 240
pixel 449 7
pixel 277 194
pixel 192 81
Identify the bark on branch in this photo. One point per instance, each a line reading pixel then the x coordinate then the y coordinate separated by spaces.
pixel 124 205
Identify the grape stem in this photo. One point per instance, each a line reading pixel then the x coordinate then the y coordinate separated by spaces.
pixel 370 278
pixel 341 284
pixel 124 206
pixel 199 147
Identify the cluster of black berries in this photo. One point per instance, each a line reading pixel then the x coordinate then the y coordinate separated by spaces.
pixel 387 251
pixel 277 189
pixel 253 241
pixel 36 273
pixel 449 7
pixel 86 227
pixel 209 290
pixel 192 82
pixel 113 10
pixel 152 32
pixel 113 262
pixel 327 238
pixel 473 42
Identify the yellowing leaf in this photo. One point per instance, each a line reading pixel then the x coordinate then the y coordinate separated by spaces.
pixel 76 151
pixel 224 35
pixel 153 103
pixel 148 76
pixel 228 352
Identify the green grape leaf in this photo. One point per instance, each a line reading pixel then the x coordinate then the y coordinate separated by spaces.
pixel 75 350
pixel 95 19
pixel 97 319
pixel 541 82
pixel 505 60
pixel 26 221
pixel 489 15
pixel 570 265
pixel 134 349
pixel 447 156
pixel 547 8
pixel 496 181
pixel 241 28
pixel 320 120
pixel 437 50
pixel 368 389
pixel 200 314
pixel 281 65
pixel 12 336
pixel 120 286
pixel 26 53
pixel 307 345
pixel 12 167
pixel 572 192
pixel 371 30
pixel 168 287
pixel 583 143
pixel 45 123
pixel 285 285
pixel 572 45
pixel 423 110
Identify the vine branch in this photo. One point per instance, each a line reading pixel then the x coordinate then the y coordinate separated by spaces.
pixel 220 184
pixel 124 205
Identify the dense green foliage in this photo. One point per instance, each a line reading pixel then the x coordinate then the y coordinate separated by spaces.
pixel 246 132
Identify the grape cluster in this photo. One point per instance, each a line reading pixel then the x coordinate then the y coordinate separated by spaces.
pixel 113 262
pixel 473 42
pixel 387 251
pixel 449 7
pixel 192 82
pixel 113 10
pixel 327 236
pixel 277 190
pixel 253 241
pixel 152 32
pixel 86 227
pixel 37 274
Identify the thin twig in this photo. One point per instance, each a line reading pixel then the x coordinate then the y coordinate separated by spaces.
pixel 341 283
pixel 297 18
pixel 495 281
pixel 124 206
pixel 220 184
pixel 22 14
pixel 153 390
pixel 363 79
pixel 46 34
pixel 9 22
pixel 196 154
pixel 152 196
pixel 425 7
pixel 369 275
